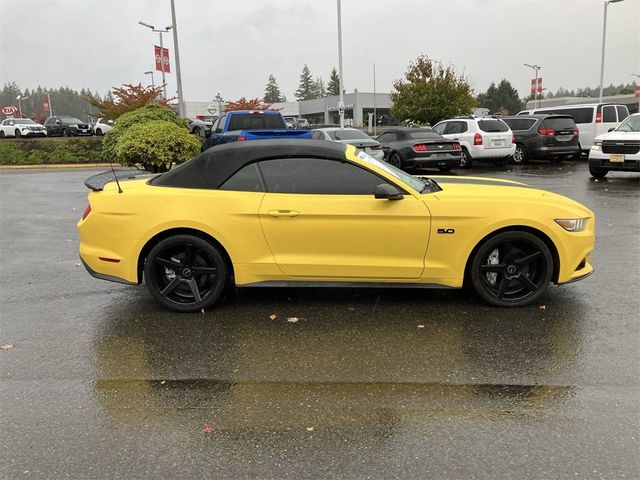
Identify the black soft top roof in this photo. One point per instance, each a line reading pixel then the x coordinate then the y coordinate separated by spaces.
pixel 213 167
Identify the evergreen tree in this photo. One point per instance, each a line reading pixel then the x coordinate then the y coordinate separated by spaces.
pixel 319 90
pixel 502 99
pixel 272 92
pixel 306 88
pixel 333 87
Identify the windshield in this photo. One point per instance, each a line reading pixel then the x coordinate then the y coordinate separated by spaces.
pixel 348 135
pixel 414 182
pixel 631 124
pixel 24 121
pixel 70 120
pixel 422 134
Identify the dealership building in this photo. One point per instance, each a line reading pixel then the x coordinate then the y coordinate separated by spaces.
pixel 358 107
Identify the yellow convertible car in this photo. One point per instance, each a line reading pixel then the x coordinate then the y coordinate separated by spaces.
pixel 315 213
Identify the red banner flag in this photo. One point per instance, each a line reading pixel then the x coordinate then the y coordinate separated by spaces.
pixel 533 86
pixel 165 59
pixel 540 85
pixel 45 104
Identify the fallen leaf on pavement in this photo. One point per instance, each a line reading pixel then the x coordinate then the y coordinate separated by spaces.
pixel 202 310
pixel 310 429
pixel 292 319
pixel 543 307
pixel 163 382
pixel 273 316
pixel 420 326
pixel 6 346
pixel 78 264
pixel 207 429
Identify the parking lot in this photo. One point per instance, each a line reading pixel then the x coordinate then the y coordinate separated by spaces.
pixel 359 383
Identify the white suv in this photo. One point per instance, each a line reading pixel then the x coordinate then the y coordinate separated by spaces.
pixel 486 138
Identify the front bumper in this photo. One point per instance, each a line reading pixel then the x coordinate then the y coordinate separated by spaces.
pixel 598 159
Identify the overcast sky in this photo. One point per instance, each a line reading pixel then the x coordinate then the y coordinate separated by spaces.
pixel 232 46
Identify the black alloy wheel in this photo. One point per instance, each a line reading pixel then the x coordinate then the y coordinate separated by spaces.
pixel 98 132
pixel 465 159
pixel 520 156
pixel 512 269
pixel 396 160
pixel 18 134
pixel 185 273
pixel 1 134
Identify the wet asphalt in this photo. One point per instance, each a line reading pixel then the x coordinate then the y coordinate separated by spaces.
pixel 103 383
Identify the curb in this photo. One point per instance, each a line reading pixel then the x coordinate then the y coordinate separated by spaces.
pixel 57 165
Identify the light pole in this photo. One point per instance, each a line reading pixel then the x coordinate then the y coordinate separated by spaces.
pixel 636 75
pixel 150 72
pixel 20 98
pixel 375 116
pixel 177 56
pixel 341 101
pixel 604 36
pixel 165 30
pixel 535 90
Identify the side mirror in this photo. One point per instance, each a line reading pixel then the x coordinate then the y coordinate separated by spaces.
pixel 110 122
pixel 58 122
pixel 384 190
pixel 611 129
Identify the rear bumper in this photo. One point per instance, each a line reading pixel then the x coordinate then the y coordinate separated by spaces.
pixel 433 160
pixel 102 276
pixel 478 152
pixel 544 151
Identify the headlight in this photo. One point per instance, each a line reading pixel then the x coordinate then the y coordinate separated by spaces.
pixel 597 145
pixel 572 224
pixel 73 125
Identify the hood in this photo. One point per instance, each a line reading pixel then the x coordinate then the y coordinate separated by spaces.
pixel 619 136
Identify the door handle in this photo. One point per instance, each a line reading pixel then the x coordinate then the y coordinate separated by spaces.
pixel 283 213
pixel 456 139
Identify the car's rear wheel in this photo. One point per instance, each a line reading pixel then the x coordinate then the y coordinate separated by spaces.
pixel 17 133
pixel 520 156
pixel 395 160
pixel 1 134
pixel 98 132
pixel 512 269
pixel 597 172
pixel 465 159
pixel 185 273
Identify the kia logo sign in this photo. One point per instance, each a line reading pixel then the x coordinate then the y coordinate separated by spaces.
pixel 10 110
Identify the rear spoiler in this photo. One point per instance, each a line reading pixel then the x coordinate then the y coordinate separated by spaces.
pixel 97 182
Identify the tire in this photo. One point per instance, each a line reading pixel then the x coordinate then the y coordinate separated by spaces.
pixel 17 134
pixel 465 159
pixel 1 134
pixel 396 160
pixel 597 172
pixel 511 269
pixel 99 132
pixel 185 273
pixel 520 156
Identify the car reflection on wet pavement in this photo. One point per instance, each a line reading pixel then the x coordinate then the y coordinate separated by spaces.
pixel 366 383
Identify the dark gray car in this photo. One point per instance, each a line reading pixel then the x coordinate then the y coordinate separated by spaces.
pixel 554 137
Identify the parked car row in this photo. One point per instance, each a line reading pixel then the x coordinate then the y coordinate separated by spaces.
pixel 21 127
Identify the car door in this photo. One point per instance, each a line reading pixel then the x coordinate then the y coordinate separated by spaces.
pixel 321 220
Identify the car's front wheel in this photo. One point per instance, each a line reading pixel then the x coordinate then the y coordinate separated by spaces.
pixel 185 273
pixel 597 172
pixel 512 269
pixel 17 134
pixel 1 134
pixel 520 156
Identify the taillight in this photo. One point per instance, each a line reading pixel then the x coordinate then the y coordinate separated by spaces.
pixel 546 131
pixel 87 211
pixel 576 131
pixel 241 138
pixel 598 118
pixel 477 139
pixel 456 146
pixel 421 147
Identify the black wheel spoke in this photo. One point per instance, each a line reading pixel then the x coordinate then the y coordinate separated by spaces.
pixel 168 263
pixel 502 287
pixel 193 285
pixel 528 259
pixel 507 250
pixel 170 287
pixel 498 267
pixel 526 282
pixel 207 270
pixel 188 254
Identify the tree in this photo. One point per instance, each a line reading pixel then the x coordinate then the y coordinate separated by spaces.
pixel 430 92
pixel 156 145
pixel 333 87
pixel 246 104
pixel 128 120
pixel 306 88
pixel 127 99
pixel 272 92
pixel 319 90
pixel 502 99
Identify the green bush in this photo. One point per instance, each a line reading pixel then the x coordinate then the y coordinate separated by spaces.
pixel 140 116
pixel 11 154
pixel 37 157
pixel 64 154
pixel 156 145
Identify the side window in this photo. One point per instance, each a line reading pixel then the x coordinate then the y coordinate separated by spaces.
pixel 439 129
pixel 388 137
pixel 317 176
pixel 454 127
pixel 317 136
pixel 608 113
pixel 220 125
pixel 622 112
pixel 247 179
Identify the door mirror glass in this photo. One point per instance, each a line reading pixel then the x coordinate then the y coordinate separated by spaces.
pixel 384 190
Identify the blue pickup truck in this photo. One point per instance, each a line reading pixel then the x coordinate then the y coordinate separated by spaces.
pixel 241 125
